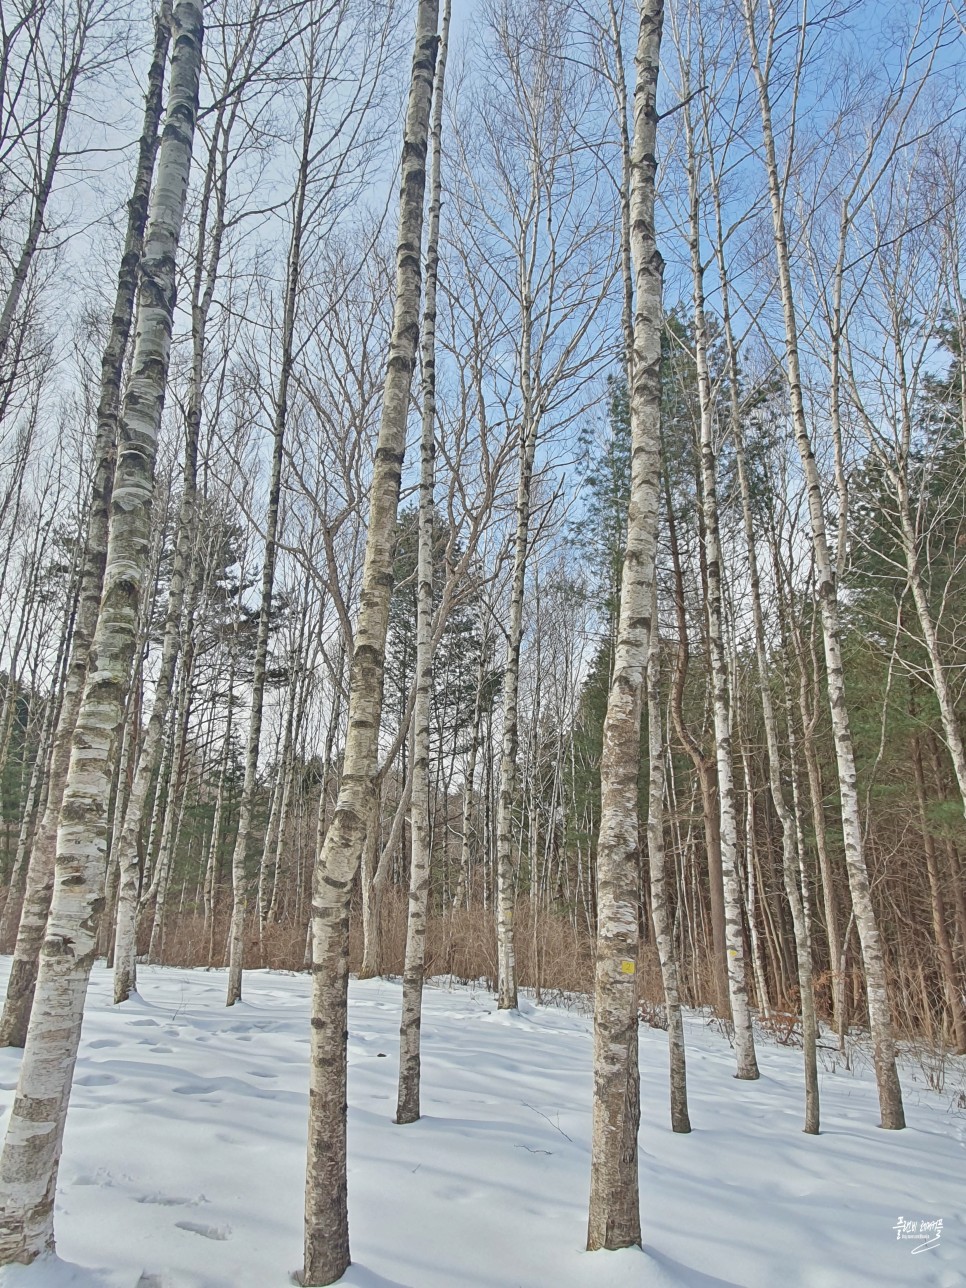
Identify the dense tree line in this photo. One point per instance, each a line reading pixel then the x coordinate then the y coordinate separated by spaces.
pixel 536 553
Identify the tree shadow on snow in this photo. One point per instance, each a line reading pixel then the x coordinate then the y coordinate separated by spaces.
pixel 678 1273
pixel 358 1276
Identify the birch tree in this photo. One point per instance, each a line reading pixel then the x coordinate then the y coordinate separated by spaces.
pixel 720 695
pixel 536 237
pixel 407 1105
pixel 32 1145
pixel 212 217
pixel 614 1217
pixel 334 43
pixel 48 49
pixel 880 1018
pixel 326 1207
pixel 40 874
pixel 657 869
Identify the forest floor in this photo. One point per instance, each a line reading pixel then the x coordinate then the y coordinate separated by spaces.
pixel 184 1153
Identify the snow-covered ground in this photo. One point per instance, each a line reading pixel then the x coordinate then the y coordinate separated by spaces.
pixel 184 1154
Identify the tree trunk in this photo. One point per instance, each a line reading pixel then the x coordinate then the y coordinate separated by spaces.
pixel 407 1103
pixel 880 1018
pixel 706 769
pixel 790 856
pixel 614 1217
pixel 31 1150
pixel 747 1065
pixel 326 1210
pixel 660 902
pixel 183 573
pixel 944 949
pixel 40 873
pixel 506 790
pixel 239 860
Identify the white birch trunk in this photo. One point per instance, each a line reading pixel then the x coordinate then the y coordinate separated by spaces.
pixel 207 259
pixel 407 1103
pixel 660 902
pixel 40 873
pixel 31 1149
pixel 791 857
pixel 747 1065
pixel 880 1017
pixel 326 1209
pixel 614 1214
pixel 505 873
pixel 239 860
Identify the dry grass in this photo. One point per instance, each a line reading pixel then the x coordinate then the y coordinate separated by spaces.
pixel 552 955
pixel 461 943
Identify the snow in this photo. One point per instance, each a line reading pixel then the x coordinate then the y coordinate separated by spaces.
pixel 184 1153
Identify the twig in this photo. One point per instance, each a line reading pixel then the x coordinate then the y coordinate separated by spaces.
pixel 549 1120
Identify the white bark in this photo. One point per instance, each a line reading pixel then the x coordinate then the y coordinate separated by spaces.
pixel 660 901
pixel 791 856
pixel 31 1150
pixel 239 861
pixel 40 874
pixel 506 791
pixel 747 1065
pixel 407 1104
pixel 206 268
pixel 326 1210
pixel 880 1017
pixel 614 1215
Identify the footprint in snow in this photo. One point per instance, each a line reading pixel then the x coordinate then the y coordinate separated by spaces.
pixel 102 1177
pixel 218 1232
pixel 171 1200
pixel 101 1043
pixel 96 1080
pixel 195 1089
